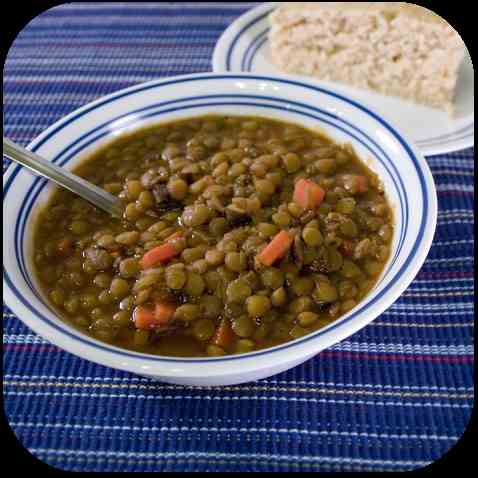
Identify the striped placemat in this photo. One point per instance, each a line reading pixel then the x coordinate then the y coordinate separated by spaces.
pixel 395 396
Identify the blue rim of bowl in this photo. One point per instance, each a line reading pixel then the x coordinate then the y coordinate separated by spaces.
pixel 130 91
pixel 32 194
pixel 39 184
pixel 260 39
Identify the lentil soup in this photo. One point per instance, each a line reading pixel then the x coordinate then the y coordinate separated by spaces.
pixel 238 234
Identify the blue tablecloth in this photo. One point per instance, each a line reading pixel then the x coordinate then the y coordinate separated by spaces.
pixel 395 396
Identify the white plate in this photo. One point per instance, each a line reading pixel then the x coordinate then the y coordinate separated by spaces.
pixel 244 47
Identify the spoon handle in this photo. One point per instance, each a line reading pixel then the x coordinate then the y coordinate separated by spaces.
pixel 92 193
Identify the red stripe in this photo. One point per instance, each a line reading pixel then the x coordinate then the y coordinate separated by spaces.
pixel 394 357
pixel 325 353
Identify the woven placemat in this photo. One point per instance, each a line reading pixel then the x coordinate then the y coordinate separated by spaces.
pixel 395 396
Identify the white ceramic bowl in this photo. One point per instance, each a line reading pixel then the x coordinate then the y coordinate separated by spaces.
pixel 404 172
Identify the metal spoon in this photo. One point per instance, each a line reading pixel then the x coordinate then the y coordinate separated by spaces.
pixel 95 195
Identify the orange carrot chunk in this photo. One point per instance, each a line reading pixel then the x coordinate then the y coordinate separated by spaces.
pixel 144 318
pixel 308 194
pixel 164 313
pixel 224 334
pixel 300 192
pixel 161 253
pixel 355 183
pixel 362 183
pixel 276 249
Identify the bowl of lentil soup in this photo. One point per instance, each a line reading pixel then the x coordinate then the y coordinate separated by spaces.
pixel 263 222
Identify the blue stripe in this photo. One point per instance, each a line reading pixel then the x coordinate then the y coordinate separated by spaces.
pixel 239 34
pixel 258 47
pixel 88 30
pixel 146 12
pixel 251 47
pixel 130 70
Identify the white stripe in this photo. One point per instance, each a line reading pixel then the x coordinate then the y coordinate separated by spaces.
pixel 418 280
pixel 423 326
pixel 242 388
pixel 428 307
pixel 49 98
pixel 418 288
pixel 447 260
pixel 182 429
pixel 453 243
pixel 418 293
pixel 455 187
pixel 23 339
pixel 215 454
pixel 426 313
pixel 454 220
pixel 49 117
pixel 264 380
pixel 369 347
pixel 227 398
pixel 456 214
pixel 415 349
pixel 454 162
pixel 467 212
pixel 16 128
